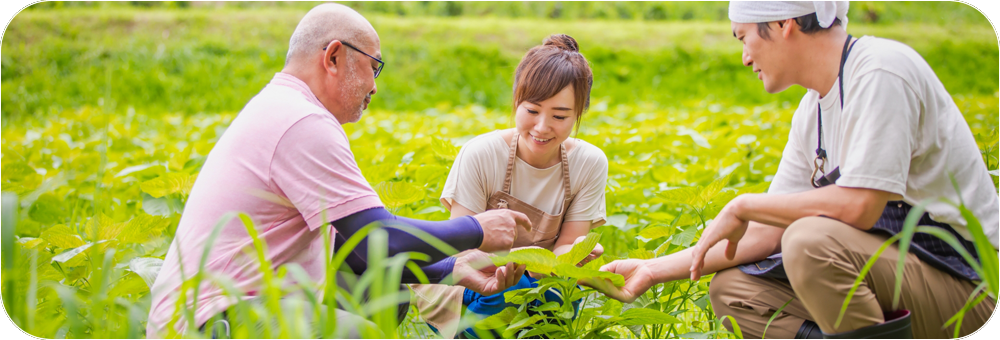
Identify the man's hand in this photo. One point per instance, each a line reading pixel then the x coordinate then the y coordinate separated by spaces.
pixel 500 228
pixel 725 226
pixel 594 254
pixel 475 271
pixel 638 279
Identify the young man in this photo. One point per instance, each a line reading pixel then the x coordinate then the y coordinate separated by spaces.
pixel 287 163
pixel 876 134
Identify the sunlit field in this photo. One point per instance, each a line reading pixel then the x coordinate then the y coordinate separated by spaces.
pixel 109 112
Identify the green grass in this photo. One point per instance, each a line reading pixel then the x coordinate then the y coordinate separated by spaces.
pixel 208 60
pixel 109 112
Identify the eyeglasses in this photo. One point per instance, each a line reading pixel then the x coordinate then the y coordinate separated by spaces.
pixel 380 63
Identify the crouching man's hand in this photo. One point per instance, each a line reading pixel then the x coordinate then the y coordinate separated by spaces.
pixel 638 279
pixel 500 228
pixel 475 271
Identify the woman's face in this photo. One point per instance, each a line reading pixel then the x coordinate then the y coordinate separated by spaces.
pixel 546 124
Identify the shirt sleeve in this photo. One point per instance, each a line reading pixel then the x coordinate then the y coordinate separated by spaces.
pixel 467 182
pixel 879 123
pixel 589 203
pixel 314 167
pixel 794 169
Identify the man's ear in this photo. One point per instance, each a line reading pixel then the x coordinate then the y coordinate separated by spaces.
pixel 333 55
pixel 787 27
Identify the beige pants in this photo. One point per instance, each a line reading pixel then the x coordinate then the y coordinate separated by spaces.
pixel 822 258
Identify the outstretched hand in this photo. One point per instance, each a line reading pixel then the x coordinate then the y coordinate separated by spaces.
pixel 725 226
pixel 475 271
pixel 638 279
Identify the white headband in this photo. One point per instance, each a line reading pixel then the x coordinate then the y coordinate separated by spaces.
pixel 751 12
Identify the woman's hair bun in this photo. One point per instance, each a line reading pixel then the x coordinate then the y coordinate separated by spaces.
pixel 562 41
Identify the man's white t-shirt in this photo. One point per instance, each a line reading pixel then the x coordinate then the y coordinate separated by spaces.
pixel 900 132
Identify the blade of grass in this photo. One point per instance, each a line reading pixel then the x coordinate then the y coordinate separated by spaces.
pixel 861 276
pixel 987 254
pixel 776 313
pixel 971 302
pixel 909 225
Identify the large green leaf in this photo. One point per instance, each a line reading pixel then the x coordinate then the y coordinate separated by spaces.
pixel 72 257
pixel 646 316
pixel 62 237
pixel 580 250
pixel 397 194
pixel 167 184
pixel 48 208
pixel 538 260
pixel 568 270
pixel 685 237
pixel 498 320
pixel 657 232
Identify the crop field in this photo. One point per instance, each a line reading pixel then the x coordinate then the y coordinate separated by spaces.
pixel 110 110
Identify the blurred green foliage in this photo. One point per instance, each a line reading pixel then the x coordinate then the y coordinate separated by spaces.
pixel 202 58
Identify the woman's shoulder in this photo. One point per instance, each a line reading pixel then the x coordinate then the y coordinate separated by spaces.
pixel 485 146
pixel 587 153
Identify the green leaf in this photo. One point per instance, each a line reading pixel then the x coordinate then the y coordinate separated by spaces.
pixel 498 320
pixel 642 254
pixel 707 194
pixel 167 184
pixel 656 232
pixel 443 149
pixel 580 250
pixel 685 237
pixel 645 316
pixel 518 325
pixel 143 228
pixel 47 209
pixel 685 195
pixel 73 257
pixel 147 268
pixel 548 306
pixel 618 220
pixel 612 307
pixel 62 237
pixel 538 260
pixel 163 206
pixel 568 270
pixel 397 194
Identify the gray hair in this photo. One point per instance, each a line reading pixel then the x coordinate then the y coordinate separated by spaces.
pixel 323 24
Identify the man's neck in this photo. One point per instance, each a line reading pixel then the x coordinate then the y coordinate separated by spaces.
pixel 820 61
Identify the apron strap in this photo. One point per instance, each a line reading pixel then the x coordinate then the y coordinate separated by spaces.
pixel 565 173
pixel 510 164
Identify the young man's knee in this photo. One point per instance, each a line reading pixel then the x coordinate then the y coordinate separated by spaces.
pixel 810 234
pixel 723 287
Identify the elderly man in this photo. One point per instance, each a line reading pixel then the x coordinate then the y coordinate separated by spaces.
pixel 876 134
pixel 286 162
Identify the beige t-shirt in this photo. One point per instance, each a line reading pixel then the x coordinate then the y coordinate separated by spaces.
pixel 900 132
pixel 481 164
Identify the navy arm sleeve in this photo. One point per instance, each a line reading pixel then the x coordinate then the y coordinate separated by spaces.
pixel 461 233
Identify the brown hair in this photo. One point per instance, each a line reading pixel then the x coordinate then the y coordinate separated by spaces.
pixel 547 69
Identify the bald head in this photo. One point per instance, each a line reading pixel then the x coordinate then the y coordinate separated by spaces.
pixel 325 23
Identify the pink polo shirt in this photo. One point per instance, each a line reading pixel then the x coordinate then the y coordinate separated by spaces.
pixel 286 162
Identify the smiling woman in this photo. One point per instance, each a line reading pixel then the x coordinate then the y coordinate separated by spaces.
pixel 534 168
